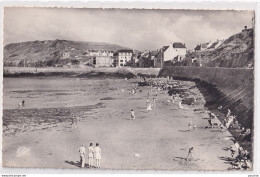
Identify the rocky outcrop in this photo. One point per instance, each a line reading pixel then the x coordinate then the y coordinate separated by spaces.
pixel 235 52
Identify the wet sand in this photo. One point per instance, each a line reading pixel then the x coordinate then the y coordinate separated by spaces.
pixel 41 134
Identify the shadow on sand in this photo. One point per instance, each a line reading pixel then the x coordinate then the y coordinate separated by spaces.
pixel 77 164
pixel 184 130
pixel 179 158
pixel 227 160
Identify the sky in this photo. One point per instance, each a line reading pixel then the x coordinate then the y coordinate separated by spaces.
pixel 133 28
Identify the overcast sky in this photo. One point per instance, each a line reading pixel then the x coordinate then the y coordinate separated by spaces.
pixel 139 29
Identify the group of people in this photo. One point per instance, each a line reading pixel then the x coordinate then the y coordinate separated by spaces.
pixel 241 157
pixel 155 87
pixel 93 153
pixel 150 106
pixel 192 126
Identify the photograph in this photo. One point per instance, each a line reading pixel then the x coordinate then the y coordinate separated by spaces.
pixel 128 89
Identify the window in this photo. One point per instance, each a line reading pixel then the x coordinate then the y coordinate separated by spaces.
pixel 121 61
pixel 121 64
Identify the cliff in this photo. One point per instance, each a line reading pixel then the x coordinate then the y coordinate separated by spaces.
pixel 236 51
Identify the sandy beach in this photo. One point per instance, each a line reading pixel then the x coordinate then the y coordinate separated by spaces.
pixel 41 134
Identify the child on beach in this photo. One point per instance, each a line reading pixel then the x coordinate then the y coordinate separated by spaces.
pixel 90 155
pixel 190 126
pixel 221 128
pixel 180 106
pixel 97 155
pixel 154 102
pixel 147 101
pixel 132 114
pixel 172 99
pixel 194 126
pixel 149 107
pixel 190 154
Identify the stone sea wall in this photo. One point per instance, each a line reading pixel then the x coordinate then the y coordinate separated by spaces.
pixel 231 88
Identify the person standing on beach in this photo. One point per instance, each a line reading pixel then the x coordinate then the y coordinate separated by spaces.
pixel 97 155
pixel 132 114
pixel 82 153
pixel 190 154
pixel 147 101
pixel 154 102
pixel 180 105
pixel 90 155
pixel 228 113
pixel 190 126
pixel 194 126
pixel 149 107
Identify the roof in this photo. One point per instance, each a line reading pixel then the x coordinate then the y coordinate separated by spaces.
pixel 125 50
pixel 204 45
pixel 178 45
pixel 122 51
pixel 213 45
pixel 197 47
pixel 165 48
pixel 153 53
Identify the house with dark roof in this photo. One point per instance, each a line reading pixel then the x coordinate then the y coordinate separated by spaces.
pixel 203 46
pixel 175 52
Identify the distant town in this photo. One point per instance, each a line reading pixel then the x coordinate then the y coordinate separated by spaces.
pixel 236 51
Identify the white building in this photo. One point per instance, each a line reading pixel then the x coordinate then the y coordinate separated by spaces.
pixel 216 44
pixel 175 50
pixel 123 57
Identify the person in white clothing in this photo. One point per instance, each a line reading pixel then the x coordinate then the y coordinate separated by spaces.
pixel 132 114
pixel 90 155
pixel 97 155
pixel 180 105
pixel 82 153
pixel 149 107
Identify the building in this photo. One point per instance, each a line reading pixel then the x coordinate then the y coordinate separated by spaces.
pixel 123 57
pixel 216 44
pixel 158 61
pixel 104 61
pixel 175 52
pixel 202 47
pixel 208 46
pixel 65 55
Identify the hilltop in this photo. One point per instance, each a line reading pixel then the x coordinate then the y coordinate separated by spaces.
pixel 236 51
pixel 45 53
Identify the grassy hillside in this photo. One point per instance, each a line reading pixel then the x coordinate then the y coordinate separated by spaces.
pixel 236 51
pixel 45 53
